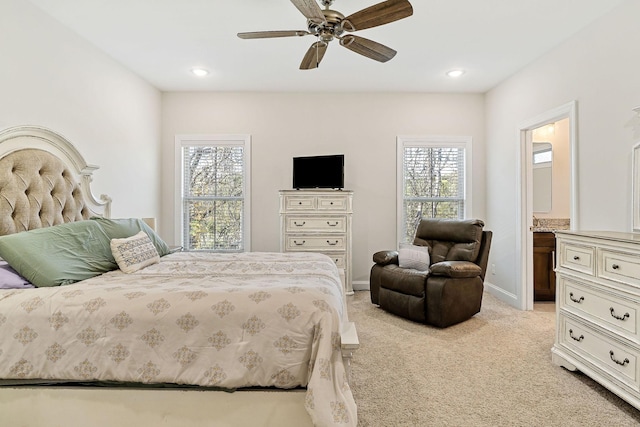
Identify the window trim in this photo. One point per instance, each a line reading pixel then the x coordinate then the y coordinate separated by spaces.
pixel 243 140
pixel 452 141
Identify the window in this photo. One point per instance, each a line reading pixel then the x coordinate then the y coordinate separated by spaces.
pixel 432 177
pixel 543 156
pixel 213 209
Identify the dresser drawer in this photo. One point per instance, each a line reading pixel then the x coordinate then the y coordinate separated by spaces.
pixel 319 243
pixel 338 258
pixel 619 266
pixel 300 203
pixel 602 308
pixel 324 224
pixel 614 358
pixel 331 203
pixel 319 220
pixel 578 257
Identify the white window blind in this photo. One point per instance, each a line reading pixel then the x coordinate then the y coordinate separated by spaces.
pixel 214 201
pixel 431 180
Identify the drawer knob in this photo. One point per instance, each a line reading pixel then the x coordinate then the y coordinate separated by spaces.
pixel 331 203
pixel 615 266
pixel 332 244
pixel 576 300
pixel 624 362
pixel 332 225
pixel 300 224
pixel 576 257
pixel 580 338
pixel 299 243
pixel 299 203
pixel 615 316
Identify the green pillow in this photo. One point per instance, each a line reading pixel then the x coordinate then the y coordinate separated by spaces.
pixel 126 227
pixel 59 255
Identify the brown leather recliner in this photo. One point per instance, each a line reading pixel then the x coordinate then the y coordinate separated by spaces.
pixel 450 291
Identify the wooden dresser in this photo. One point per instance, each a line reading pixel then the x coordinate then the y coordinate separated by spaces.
pixel 597 308
pixel 544 276
pixel 318 221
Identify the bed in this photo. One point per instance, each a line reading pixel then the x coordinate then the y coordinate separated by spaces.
pixel 112 304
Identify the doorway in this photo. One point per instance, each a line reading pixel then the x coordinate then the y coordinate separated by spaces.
pixel 567 115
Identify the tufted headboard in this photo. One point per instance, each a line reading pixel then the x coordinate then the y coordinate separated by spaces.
pixel 44 181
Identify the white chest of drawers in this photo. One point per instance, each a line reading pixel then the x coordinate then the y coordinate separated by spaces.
pixel 318 221
pixel 598 309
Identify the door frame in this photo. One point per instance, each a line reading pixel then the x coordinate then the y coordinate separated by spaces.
pixel 524 215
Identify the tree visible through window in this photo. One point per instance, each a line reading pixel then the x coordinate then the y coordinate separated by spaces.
pixel 214 196
pixel 432 183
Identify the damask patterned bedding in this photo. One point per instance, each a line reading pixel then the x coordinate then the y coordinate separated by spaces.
pixel 221 320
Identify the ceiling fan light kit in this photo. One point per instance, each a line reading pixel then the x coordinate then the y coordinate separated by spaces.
pixel 329 24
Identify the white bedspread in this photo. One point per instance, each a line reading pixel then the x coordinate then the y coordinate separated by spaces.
pixel 223 320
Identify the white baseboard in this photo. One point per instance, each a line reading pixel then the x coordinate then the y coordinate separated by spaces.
pixel 501 294
pixel 360 285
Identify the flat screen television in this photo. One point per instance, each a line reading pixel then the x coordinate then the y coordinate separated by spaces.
pixel 318 172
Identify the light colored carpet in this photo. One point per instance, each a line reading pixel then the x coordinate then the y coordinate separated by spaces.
pixel 492 370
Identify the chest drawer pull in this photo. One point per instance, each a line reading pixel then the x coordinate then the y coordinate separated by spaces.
pixel 624 362
pixel 300 224
pixel 576 258
pixel 334 224
pixel 580 338
pixel 615 316
pixel 299 243
pixel 576 300
pixel 615 266
pixel 332 244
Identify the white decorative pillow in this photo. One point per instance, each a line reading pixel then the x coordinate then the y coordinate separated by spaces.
pixel 412 256
pixel 134 253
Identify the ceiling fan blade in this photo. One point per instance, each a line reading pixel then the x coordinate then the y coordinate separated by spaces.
pixel 271 34
pixel 368 48
pixel 310 9
pixel 313 56
pixel 378 14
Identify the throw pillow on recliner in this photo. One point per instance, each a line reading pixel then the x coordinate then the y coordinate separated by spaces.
pixel 413 256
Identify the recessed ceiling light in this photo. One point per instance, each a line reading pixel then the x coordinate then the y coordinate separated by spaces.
pixel 455 73
pixel 200 72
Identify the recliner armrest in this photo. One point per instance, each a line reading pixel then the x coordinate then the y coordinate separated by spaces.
pixel 386 257
pixel 455 269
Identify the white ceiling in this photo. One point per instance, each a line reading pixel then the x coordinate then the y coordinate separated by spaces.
pixel 161 40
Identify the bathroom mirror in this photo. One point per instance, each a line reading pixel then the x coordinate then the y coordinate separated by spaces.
pixel 542 176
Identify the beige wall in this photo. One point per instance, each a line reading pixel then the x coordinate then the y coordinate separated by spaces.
pixel 363 127
pixel 598 68
pixel 51 77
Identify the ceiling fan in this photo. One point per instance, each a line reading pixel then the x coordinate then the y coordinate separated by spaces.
pixel 328 24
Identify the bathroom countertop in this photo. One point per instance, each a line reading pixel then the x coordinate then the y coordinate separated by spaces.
pixel 547 229
pixel 549 225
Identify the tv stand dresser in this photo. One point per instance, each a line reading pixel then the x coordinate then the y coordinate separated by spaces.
pixel 598 308
pixel 318 221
